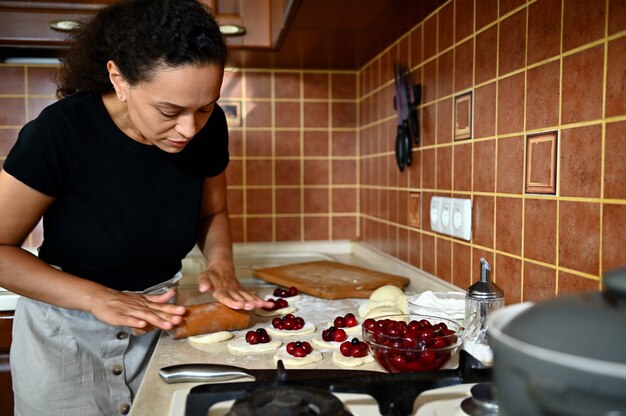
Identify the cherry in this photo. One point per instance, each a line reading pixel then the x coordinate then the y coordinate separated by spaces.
pixel 345 348
pixel 350 320
pixel 293 291
pixel 359 350
pixel 252 337
pixel 340 322
pixel 298 348
pixel 328 334
pixel 340 335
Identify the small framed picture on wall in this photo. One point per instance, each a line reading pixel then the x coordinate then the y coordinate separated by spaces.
pixel 232 110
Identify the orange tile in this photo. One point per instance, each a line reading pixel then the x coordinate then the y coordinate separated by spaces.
pixel 234 173
pixel 444 168
pixel 36 106
pixel 315 143
pixel 617 16
pixel 343 143
pixel 231 85
pixel 403 208
pixel 508 5
pixel 539 282
pixel 541 163
pixel 403 245
pixel 542 96
pixel 12 112
pixel 461 259
pixel 463 167
pixel 544 30
pixel 7 140
pixel 258 143
pixel 444 121
pixel 511 104
pixel 444 260
pixel 512 43
pixel 430 36
pixel 579 236
pixel 343 86
pixel 41 80
pixel 343 115
pixel 344 228
pixel 315 86
pixel 510 163
pixel 415 248
pixel 428 254
pixel 12 80
pixel 580 161
pixel 288 201
pixel 259 229
pixel 344 200
pixel 287 114
pixel 463 19
pixel 539 230
pixel 486 55
pixel 426 200
pixel 582 23
pixel 486 12
pixel 316 200
pixel 415 171
pixel 484 166
pixel 507 273
pixel 287 85
pixel 614 156
pixel 258 172
pixel 259 201
pixel 316 114
pixel 509 225
pixel 429 164
pixel 428 125
pixel 258 114
pixel 287 172
pixel 482 233
pixel 582 85
pixel 316 172
pixel 445 25
pixel 316 228
pixel 429 86
pixel 615 79
pixel 258 84
pixel 415 41
pixel 235 142
pixel 344 172
pixel 235 201
pixel 445 74
pixel 571 283
pixel 485 111
pixel 288 229
pixel 613 237
pixel 287 143
pixel 236 230
pixel 463 65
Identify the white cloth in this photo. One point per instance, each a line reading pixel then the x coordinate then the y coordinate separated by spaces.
pixel 68 363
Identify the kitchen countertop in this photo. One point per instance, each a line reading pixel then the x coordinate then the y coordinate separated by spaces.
pixel 154 395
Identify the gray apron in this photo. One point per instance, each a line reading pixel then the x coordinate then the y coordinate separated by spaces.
pixel 68 363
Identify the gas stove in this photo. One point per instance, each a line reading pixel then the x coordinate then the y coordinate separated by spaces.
pixel 330 393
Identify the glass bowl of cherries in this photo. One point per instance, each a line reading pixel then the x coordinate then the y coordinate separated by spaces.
pixel 408 343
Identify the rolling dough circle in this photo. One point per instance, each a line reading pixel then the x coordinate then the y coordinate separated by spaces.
pixel 312 357
pixel 277 312
pixel 339 358
pixel 308 328
pixel 213 338
pixel 241 346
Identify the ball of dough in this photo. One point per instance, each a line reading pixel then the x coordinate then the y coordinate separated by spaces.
pixel 387 292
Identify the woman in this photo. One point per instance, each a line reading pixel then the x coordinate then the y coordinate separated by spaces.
pixel 127 171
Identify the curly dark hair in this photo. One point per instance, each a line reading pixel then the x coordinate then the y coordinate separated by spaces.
pixel 139 36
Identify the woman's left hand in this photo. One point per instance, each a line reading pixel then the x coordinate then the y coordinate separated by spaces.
pixel 220 278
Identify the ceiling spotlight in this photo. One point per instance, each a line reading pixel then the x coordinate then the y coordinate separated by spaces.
pixel 232 30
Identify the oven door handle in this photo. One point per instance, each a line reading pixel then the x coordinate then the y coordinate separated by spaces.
pixel 181 373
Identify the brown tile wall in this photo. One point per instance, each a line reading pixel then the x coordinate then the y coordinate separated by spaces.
pixel 533 66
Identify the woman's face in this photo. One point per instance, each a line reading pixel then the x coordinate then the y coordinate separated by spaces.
pixel 173 106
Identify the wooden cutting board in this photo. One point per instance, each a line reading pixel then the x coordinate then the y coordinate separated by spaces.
pixel 329 280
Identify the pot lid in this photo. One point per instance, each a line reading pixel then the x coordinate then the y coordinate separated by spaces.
pixel 591 325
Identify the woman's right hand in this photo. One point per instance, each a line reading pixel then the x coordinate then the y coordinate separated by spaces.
pixel 138 311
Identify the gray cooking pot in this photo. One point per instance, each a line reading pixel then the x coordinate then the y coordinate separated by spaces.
pixel 564 356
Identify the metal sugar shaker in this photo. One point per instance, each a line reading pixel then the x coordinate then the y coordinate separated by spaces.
pixel 482 298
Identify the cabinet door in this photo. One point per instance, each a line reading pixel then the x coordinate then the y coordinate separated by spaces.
pixel 6 389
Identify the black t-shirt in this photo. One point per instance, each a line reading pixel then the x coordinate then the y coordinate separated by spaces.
pixel 125 213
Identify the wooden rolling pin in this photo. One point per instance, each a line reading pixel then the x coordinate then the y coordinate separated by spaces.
pixel 211 317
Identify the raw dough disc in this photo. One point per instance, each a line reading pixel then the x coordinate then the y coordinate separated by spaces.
pixel 312 357
pixel 240 346
pixel 327 344
pixel 290 299
pixel 382 311
pixel 368 305
pixel 277 312
pixel 387 292
pixel 338 358
pixel 213 338
pixel 308 328
pixel 349 329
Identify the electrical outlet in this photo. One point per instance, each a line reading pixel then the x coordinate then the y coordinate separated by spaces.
pixel 435 213
pixel 415 209
pixel 451 216
pixel 462 218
